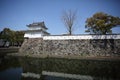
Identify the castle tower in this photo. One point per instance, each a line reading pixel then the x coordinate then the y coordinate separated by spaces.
pixel 36 30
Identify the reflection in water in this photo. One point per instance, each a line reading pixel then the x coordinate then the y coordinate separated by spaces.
pixel 64 75
pixel 91 69
pixel 23 68
pixel 9 62
pixel 33 75
pixel 11 74
pixel 10 69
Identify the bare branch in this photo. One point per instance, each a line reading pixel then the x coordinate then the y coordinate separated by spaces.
pixel 69 18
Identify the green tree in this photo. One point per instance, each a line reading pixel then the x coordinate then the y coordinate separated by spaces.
pixel 14 37
pixel 19 35
pixel 101 23
pixel 5 34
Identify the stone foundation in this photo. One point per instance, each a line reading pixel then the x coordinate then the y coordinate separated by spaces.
pixel 77 47
pixel 32 46
pixel 82 47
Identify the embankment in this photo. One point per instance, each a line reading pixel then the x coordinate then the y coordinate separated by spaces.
pixel 81 45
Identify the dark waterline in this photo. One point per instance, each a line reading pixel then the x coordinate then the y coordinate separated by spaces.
pixel 23 68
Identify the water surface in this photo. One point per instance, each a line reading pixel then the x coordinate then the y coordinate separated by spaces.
pixel 24 68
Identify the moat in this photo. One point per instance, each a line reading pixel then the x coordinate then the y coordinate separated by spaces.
pixel 24 68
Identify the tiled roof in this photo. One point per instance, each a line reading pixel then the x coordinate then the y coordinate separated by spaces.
pixel 41 24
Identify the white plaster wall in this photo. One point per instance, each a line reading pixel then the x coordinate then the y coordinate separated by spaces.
pixel 33 35
pixel 81 37
pixel 34 28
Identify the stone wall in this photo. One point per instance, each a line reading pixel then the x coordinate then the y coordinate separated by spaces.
pixel 82 47
pixel 32 46
pixel 77 47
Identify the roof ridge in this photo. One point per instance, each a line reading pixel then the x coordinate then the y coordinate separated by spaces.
pixel 42 24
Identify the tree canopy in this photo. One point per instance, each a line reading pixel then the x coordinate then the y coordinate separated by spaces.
pixel 14 37
pixel 101 23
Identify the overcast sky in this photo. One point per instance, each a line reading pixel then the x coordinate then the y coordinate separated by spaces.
pixel 16 14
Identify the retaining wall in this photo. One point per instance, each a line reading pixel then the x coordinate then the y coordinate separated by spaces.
pixel 80 45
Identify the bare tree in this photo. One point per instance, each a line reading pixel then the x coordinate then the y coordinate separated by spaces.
pixel 69 19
